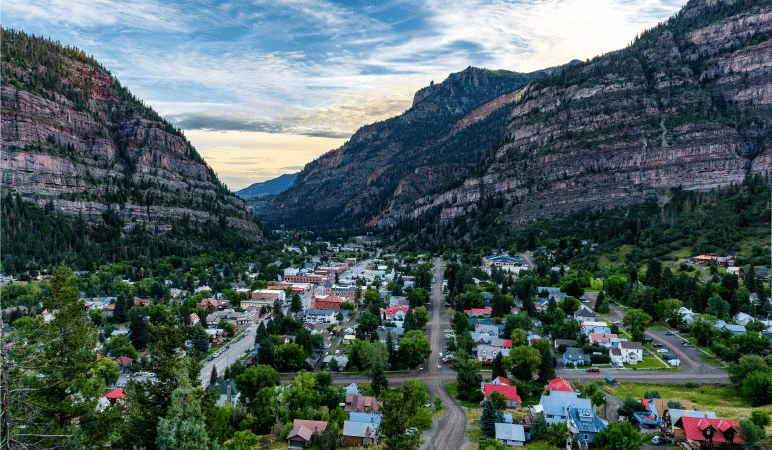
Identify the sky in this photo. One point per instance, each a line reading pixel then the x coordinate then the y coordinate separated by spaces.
pixel 263 87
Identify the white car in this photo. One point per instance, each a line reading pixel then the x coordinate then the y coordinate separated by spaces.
pixel 662 350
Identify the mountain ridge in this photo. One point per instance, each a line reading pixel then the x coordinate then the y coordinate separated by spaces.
pixel 687 105
pixel 75 141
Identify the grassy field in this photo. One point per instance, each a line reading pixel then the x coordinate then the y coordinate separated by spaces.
pixel 721 399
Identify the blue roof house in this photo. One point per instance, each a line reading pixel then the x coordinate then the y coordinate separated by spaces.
pixel 557 404
pixel 584 425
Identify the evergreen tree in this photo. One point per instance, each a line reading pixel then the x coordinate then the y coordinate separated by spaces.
pixel 489 417
pixel 184 427
pixel 410 322
pixel 200 340
pixel 539 427
pixel 297 303
pixel 548 361
pixel 750 280
pixel 261 333
pixel 138 331
pixel 497 368
pixel 379 381
pixel 213 376
pixel 120 313
pixel 266 353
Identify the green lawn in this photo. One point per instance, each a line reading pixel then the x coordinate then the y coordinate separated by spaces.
pixel 649 362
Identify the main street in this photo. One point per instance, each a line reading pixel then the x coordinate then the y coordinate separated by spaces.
pixel 235 350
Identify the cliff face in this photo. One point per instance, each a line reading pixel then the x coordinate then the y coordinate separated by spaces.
pixel 75 139
pixel 430 143
pixel 687 105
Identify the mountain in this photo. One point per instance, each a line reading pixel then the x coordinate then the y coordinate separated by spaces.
pixel 270 187
pixel 76 142
pixel 686 105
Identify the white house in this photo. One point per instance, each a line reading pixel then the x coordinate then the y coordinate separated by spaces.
pixel 743 319
pixel 627 352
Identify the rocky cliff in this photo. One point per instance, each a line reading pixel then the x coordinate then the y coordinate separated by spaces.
pixel 74 139
pixel 686 105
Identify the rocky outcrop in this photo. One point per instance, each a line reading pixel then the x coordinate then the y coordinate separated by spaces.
pixel 687 105
pixel 82 143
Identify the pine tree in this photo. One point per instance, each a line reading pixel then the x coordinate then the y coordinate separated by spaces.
pixel 213 376
pixel 261 333
pixel 297 303
pixel 184 427
pixel 497 369
pixel 539 427
pixel 138 332
pixel 200 340
pixel 488 419
pixel 119 313
pixel 379 381
pixel 409 324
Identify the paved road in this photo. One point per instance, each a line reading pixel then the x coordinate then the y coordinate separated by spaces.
pixel 235 351
pixel 450 431
pixel 694 369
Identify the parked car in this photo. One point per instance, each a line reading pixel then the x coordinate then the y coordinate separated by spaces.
pixel 688 344
pixel 658 344
pixel 593 369
pixel 662 350
pixel 669 333
pixel 657 440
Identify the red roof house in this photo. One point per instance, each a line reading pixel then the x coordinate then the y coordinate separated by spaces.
pixel 509 392
pixel 361 403
pixel 303 431
pixel 706 431
pixel 332 302
pixel 479 312
pixel 559 384
pixel 116 394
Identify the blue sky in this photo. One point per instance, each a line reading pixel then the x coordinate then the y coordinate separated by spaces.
pixel 263 87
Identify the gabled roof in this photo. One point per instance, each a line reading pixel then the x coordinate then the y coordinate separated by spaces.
pixel 630 345
pixel 510 432
pixel 558 402
pixel 123 360
pixel 478 311
pixel 509 392
pixel 366 417
pixel 695 428
pixel 359 429
pixel 116 394
pixel 559 384
pixel 305 429
pixel 501 380
pixel 585 420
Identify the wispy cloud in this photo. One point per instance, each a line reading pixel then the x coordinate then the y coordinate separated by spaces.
pixel 318 68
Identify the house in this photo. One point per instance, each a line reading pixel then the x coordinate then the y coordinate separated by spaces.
pixel 487 353
pixel 587 327
pixel 194 319
pixel 704 433
pixel 367 417
pixel 575 356
pixel 584 314
pixel 743 319
pixel 510 434
pixel 602 339
pixel 478 312
pixel 124 363
pixel 340 360
pixel 501 381
pixel 650 417
pixel 559 385
pixel 671 416
pixel 359 433
pixel 227 392
pixel 115 395
pixel 626 352
pixel 735 329
pixel 509 392
pixel 303 431
pixel 361 403
pixel 489 329
pixel 320 316
pixel 352 389
pixel 557 404
pixel 394 313
pixel 584 425
pixel 502 261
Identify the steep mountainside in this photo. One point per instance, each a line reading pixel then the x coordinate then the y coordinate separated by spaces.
pixel 686 105
pixel 270 187
pixel 438 141
pixel 76 141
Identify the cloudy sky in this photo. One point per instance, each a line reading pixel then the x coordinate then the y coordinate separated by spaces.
pixel 262 87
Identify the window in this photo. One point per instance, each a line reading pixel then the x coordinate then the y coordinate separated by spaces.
pixel 586 437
